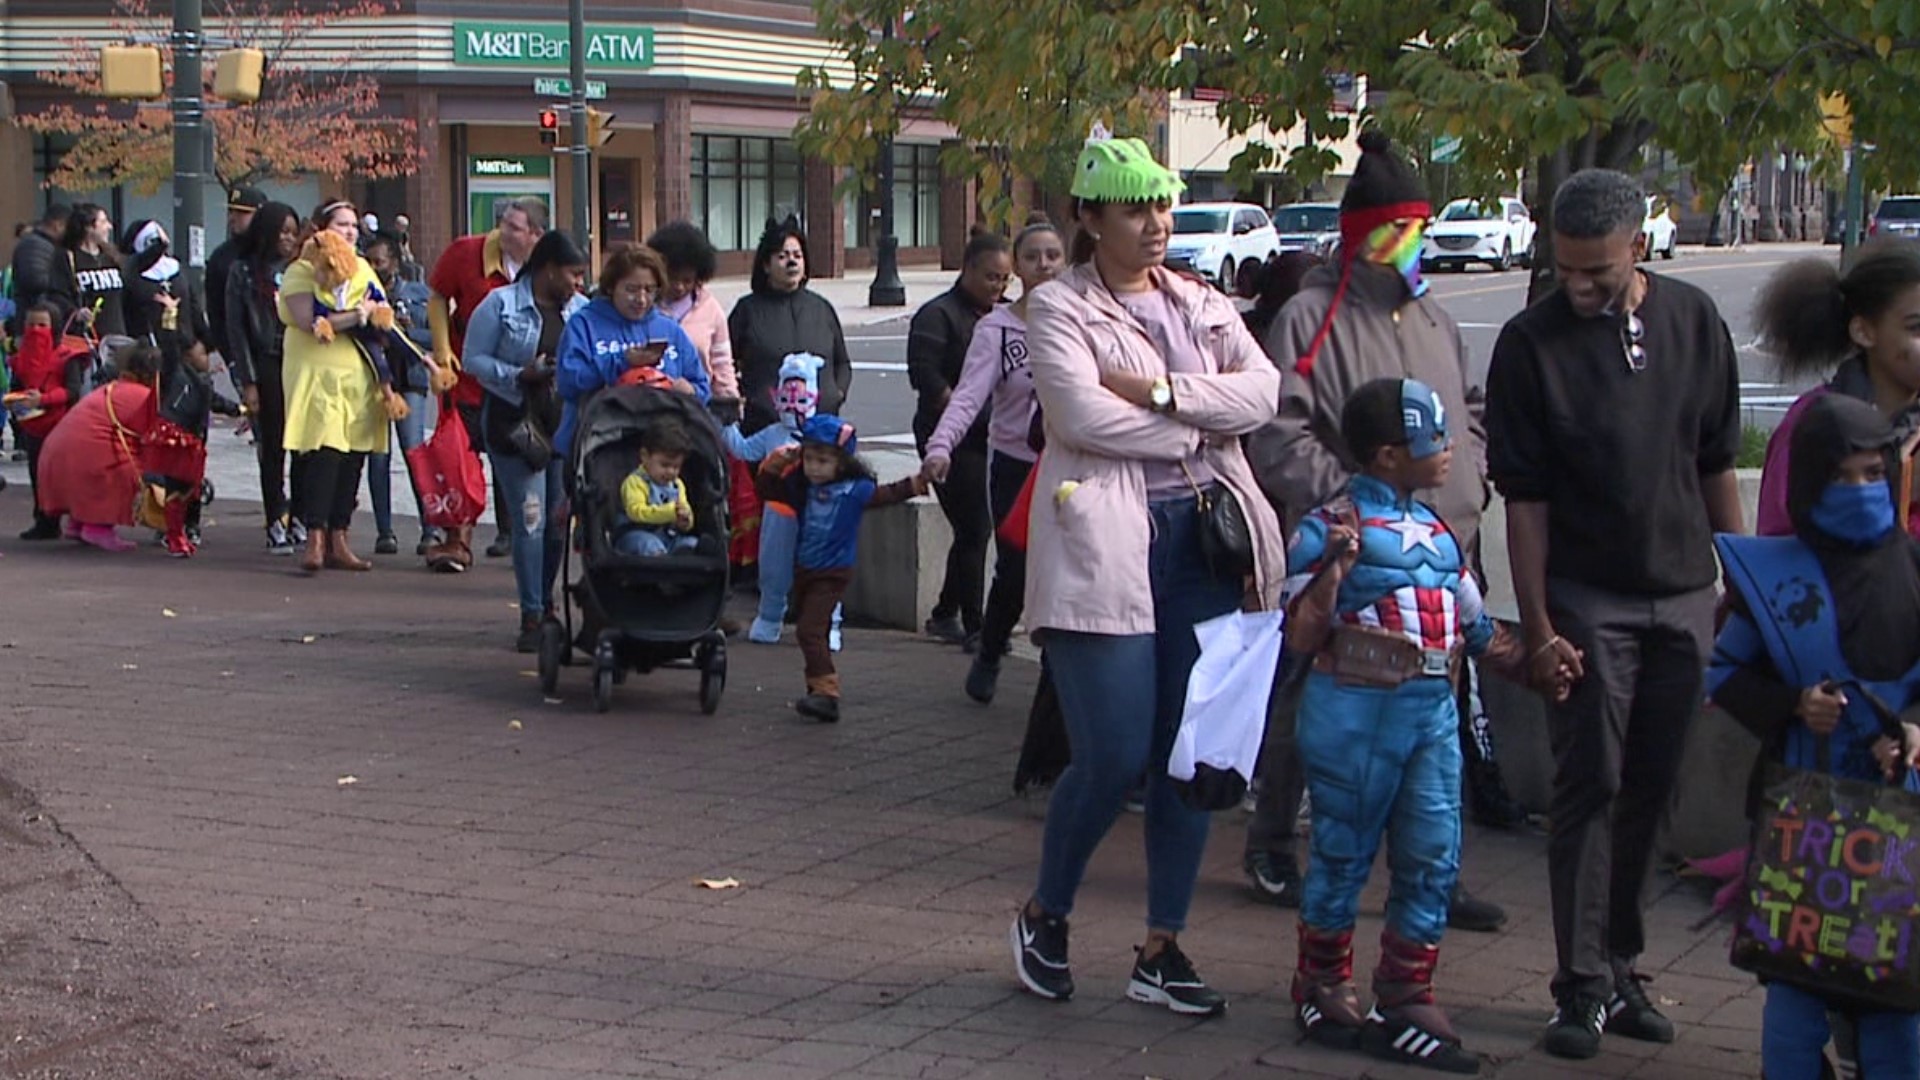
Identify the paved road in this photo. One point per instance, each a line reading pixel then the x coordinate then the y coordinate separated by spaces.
pixel 335 821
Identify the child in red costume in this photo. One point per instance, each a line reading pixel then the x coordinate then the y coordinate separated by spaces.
pixel 46 385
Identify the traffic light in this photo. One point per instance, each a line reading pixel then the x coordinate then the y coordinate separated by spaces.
pixel 599 127
pixel 549 127
pixel 236 75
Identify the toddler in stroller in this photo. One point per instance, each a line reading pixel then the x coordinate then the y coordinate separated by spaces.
pixel 654 498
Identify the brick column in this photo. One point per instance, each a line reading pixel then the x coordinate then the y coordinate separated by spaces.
pixel 673 161
pixel 826 222
pixel 428 191
pixel 959 209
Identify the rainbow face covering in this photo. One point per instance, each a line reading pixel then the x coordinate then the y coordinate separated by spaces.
pixel 1397 244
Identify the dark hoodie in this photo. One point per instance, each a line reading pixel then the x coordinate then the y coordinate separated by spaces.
pixel 1875 590
pixel 766 325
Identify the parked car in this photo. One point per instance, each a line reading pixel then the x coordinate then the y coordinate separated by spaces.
pixel 1215 238
pixel 1312 227
pixel 1897 215
pixel 1662 233
pixel 1497 232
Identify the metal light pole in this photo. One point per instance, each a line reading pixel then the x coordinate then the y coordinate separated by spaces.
pixel 189 138
pixel 579 154
pixel 1856 199
pixel 887 289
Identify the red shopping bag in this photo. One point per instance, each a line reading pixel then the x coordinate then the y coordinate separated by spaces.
pixel 1013 528
pixel 453 486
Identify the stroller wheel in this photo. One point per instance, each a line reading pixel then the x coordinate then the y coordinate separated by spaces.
pixel 553 645
pixel 206 492
pixel 713 680
pixel 602 687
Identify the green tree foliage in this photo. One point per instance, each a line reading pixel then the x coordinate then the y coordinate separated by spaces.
pixel 1530 87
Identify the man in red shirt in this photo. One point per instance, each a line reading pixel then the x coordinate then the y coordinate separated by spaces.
pixel 469 269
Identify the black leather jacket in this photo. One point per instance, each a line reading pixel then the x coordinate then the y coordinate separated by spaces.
pixel 255 336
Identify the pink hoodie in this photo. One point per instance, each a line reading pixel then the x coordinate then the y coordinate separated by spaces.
pixel 706 324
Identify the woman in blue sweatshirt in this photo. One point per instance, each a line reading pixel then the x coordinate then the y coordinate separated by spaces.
pixel 619 330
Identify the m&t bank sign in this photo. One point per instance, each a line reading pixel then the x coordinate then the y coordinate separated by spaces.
pixel 545 45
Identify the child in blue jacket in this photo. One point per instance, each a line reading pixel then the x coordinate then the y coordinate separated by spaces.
pixel 831 489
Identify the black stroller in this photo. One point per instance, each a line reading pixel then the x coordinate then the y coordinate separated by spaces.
pixel 640 613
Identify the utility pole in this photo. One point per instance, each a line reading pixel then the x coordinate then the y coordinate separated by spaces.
pixel 887 289
pixel 1856 199
pixel 189 139
pixel 579 154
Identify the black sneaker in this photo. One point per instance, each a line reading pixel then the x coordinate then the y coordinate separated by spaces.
pixel 1574 1031
pixel 1468 912
pixel 1275 877
pixel 1402 1039
pixel 386 544
pixel 296 533
pixel 1630 1013
pixel 983 678
pixel 279 540
pixel 946 628
pixel 1040 955
pixel 1169 979
pixel 528 640
pixel 42 529
pixel 429 538
pixel 819 707
pixel 501 547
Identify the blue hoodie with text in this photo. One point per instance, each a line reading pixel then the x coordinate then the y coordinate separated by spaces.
pixel 593 355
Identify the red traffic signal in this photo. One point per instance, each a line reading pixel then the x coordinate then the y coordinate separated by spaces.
pixel 549 127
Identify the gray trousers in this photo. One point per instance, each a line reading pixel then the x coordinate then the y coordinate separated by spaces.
pixel 1617 743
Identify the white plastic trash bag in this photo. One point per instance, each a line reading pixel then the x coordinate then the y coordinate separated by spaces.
pixel 1225 717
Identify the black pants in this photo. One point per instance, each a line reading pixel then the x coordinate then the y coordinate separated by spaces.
pixel 1276 812
pixel 1005 476
pixel 31 444
pixel 1617 743
pixel 963 499
pixel 474 417
pixel 270 446
pixel 332 485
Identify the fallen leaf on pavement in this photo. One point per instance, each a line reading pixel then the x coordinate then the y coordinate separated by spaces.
pixel 717 883
pixel 347 780
pixel 513 725
pixel 551 701
pixel 1665 1000
pixel 129 667
pixel 168 612
pixel 529 674
pixel 307 639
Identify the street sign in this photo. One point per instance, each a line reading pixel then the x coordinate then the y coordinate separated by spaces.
pixel 547 87
pixel 1446 150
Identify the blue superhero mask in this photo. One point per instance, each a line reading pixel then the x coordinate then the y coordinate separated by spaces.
pixel 1859 514
pixel 1424 418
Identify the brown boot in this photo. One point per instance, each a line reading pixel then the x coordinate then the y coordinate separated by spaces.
pixel 1325 1004
pixel 340 556
pixel 454 554
pixel 315 555
pixel 1405 1025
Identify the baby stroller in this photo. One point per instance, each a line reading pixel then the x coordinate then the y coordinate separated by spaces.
pixel 638 613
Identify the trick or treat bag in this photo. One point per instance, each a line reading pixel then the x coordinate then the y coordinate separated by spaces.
pixel 1831 882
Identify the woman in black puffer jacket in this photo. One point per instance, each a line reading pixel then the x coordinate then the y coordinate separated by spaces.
pixel 782 316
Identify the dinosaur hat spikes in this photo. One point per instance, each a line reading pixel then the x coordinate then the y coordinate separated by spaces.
pixel 1112 170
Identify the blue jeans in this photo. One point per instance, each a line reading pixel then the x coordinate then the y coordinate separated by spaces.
pixel 1794 1030
pixel 534 565
pixel 410 433
pixel 648 542
pixel 1381 762
pixel 1121 696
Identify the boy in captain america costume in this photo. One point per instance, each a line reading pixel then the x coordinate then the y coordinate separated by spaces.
pixel 1384 605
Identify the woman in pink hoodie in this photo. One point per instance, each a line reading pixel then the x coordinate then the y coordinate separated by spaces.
pixel 691 264
pixel 1148 382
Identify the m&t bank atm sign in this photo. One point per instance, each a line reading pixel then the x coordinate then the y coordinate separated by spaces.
pixel 545 45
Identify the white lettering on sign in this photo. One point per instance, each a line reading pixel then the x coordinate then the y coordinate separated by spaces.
pixel 499 167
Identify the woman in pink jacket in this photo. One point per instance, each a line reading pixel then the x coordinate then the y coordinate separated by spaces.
pixel 995 376
pixel 691 264
pixel 1147 382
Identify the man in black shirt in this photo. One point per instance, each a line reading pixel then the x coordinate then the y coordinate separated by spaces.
pixel 242 204
pixel 1612 423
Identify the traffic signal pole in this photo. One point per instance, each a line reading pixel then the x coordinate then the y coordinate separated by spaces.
pixel 579 154
pixel 190 138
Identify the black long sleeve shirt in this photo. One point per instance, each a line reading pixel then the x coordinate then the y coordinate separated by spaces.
pixel 1616 454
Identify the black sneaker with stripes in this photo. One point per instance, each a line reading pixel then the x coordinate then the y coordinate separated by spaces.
pixel 1400 1038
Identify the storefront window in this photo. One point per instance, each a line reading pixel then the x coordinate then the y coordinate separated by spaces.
pixel 738 183
pixel 916 201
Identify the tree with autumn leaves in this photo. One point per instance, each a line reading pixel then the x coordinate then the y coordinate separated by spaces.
pixel 319 110
pixel 1530 87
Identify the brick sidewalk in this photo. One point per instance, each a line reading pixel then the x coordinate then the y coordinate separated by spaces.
pixel 507 903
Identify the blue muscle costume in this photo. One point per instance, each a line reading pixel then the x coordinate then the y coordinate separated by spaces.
pixel 1378 732
pixel 1837 602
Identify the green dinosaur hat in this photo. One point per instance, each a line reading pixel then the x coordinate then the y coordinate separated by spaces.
pixel 1121 171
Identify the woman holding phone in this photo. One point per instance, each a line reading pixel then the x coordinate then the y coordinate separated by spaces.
pixel 620 330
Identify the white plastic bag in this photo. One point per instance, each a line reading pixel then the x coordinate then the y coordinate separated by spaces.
pixel 1225 716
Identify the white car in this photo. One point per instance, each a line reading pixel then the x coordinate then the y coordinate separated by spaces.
pixel 1498 232
pixel 1217 238
pixel 1662 233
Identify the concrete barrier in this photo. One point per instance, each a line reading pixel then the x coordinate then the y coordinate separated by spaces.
pixel 903 553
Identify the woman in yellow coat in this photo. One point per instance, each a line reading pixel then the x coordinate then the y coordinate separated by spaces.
pixel 336 415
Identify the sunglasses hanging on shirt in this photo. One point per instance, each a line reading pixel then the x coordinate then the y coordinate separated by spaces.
pixel 1632 332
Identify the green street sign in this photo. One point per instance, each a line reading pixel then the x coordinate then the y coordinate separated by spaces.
pixel 539 45
pixel 1446 150
pixel 548 87
pixel 501 168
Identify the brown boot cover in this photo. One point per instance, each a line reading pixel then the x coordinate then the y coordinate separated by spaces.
pixel 1405 1025
pixel 1325 1004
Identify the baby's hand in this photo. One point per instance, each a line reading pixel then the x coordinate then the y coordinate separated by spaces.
pixel 683 520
